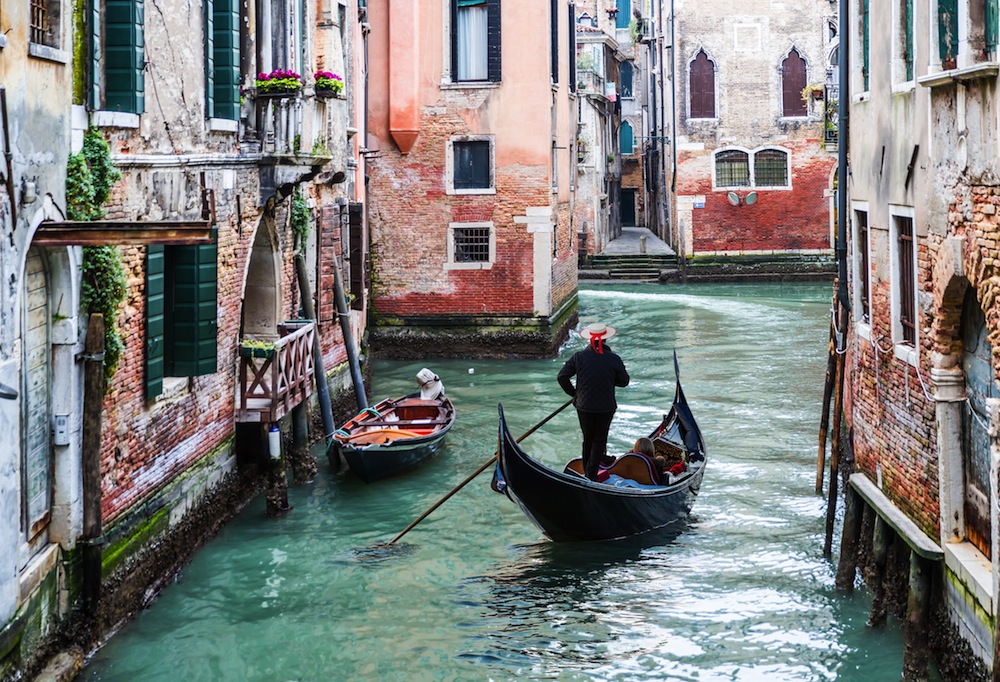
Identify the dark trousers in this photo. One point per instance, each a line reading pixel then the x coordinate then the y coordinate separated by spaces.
pixel 595 427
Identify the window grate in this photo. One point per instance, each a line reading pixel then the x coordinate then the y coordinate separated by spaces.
pixel 907 307
pixel 472 244
pixel 770 168
pixel 39 22
pixel 732 169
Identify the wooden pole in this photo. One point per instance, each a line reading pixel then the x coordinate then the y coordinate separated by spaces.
pixel 880 554
pixel 831 369
pixel 838 404
pixel 915 645
pixel 93 403
pixel 847 567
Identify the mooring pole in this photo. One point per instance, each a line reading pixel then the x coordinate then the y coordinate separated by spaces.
pixel 915 655
pixel 881 538
pixel 93 403
pixel 847 567
pixel 345 325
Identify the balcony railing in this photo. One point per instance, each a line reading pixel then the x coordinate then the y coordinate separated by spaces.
pixel 831 113
pixel 294 124
pixel 270 386
pixel 590 82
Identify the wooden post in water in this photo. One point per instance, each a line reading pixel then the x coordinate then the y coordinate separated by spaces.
pixel 853 514
pixel 915 656
pixel 838 408
pixel 277 484
pixel 303 464
pixel 93 404
pixel 831 369
pixel 880 554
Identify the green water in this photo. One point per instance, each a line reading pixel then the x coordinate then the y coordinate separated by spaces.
pixel 475 593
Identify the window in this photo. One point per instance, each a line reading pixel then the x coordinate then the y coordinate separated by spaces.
pixel 471 246
pixel 764 168
pixel 475 40
pixel 222 59
pixel 626 79
pixel 902 58
pixel 982 23
pixel 702 86
pixel 793 82
pixel 554 39
pixel 471 164
pixel 862 265
pixel 181 312
pixel 732 168
pixel 117 80
pixel 45 28
pixel 625 142
pixel 865 28
pixel 624 14
pixel 571 48
pixel 904 278
pixel 991 26
pixel 770 168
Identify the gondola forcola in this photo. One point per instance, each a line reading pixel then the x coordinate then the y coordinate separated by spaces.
pixel 397 434
pixel 633 499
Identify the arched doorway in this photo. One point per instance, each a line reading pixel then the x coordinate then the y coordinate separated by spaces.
pixel 261 295
pixel 977 364
pixel 36 395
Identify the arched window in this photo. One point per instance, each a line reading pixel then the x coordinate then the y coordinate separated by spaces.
pixel 702 86
pixel 770 168
pixel 626 78
pixel 793 82
pixel 625 141
pixel 732 168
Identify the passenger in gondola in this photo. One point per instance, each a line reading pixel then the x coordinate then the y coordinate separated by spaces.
pixel 598 371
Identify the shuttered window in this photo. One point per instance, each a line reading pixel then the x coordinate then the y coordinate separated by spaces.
pixel 222 59
pixel 626 79
pixel 948 33
pixel 475 40
pixel 181 313
pixel 907 303
pixel 991 28
pixel 124 56
pixel 908 39
pixel 571 50
pixel 732 168
pixel 793 82
pixel 865 17
pixel 94 53
pixel 864 265
pixel 624 13
pixel 554 40
pixel 472 164
pixel 625 141
pixel 702 86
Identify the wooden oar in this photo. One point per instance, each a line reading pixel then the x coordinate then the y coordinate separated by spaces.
pixel 476 473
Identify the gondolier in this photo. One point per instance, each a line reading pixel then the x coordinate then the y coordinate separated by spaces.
pixel 598 371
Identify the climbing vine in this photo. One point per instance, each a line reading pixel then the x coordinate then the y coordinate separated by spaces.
pixel 300 218
pixel 90 175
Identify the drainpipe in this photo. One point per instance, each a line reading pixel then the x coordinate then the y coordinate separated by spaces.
pixel 681 256
pixel 842 145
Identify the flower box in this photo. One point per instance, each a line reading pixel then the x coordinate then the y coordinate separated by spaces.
pixel 328 84
pixel 257 349
pixel 282 82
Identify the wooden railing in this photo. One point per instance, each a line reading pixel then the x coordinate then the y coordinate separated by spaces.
pixel 271 386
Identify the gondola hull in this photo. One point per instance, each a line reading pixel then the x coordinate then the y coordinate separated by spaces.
pixel 394 436
pixel 569 507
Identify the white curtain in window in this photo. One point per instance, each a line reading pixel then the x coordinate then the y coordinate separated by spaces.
pixel 472 43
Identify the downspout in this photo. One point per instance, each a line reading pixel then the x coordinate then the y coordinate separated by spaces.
pixel 681 256
pixel 842 145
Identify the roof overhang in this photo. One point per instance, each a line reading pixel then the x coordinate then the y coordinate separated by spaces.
pixel 122 232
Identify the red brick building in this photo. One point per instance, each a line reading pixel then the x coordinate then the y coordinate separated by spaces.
pixel 472 168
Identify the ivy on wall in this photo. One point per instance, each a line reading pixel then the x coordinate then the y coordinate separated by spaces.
pixel 90 175
pixel 300 218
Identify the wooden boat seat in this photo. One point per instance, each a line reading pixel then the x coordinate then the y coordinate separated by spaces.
pixel 381 436
pixel 404 422
pixel 630 465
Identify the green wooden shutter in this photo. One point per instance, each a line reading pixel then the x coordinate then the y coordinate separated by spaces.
pixel 94 38
pixel 208 16
pixel 865 30
pixel 493 40
pixel 154 321
pixel 624 15
pixel 554 40
pixel 908 57
pixel 992 26
pixel 571 50
pixel 226 42
pixel 948 32
pixel 192 341
pixel 124 56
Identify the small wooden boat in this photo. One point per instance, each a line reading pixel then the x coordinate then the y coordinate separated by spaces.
pixel 395 435
pixel 566 506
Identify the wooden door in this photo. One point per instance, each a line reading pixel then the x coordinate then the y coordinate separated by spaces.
pixel 35 398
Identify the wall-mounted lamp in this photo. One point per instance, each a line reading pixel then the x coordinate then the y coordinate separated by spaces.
pixel 7 393
pixel 29 194
pixel 751 199
pixel 733 198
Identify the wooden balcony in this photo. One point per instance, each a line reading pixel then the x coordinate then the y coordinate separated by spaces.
pixel 271 386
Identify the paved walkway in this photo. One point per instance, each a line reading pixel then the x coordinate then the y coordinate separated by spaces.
pixel 628 244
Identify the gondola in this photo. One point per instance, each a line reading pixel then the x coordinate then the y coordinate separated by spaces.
pixel 394 436
pixel 566 506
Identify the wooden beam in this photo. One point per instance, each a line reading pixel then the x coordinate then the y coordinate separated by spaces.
pixel 122 232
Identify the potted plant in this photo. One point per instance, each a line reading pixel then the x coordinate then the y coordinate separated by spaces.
pixel 283 82
pixel 256 348
pixel 813 91
pixel 328 83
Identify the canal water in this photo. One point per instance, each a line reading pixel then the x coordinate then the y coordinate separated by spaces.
pixel 475 592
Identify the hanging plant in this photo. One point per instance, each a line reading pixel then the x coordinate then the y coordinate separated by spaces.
pixel 300 218
pixel 90 175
